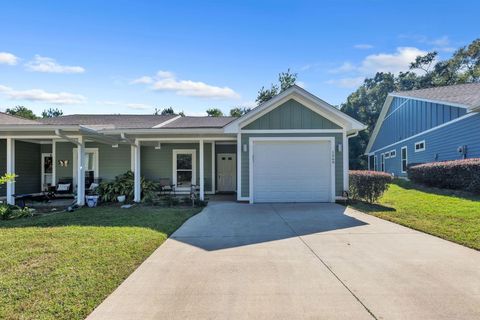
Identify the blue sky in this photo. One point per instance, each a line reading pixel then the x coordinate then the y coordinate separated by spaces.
pixel 133 56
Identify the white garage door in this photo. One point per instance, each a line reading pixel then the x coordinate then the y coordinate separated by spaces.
pixel 292 171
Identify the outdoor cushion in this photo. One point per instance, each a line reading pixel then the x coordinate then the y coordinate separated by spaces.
pixel 63 187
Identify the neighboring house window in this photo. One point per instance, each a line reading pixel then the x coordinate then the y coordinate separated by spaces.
pixel 393 153
pixel 184 163
pixel 420 146
pixel 371 163
pixel 387 155
pixel 404 159
pixel 375 165
pixel 382 161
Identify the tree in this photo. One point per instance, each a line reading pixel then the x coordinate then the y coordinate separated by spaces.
pixel 239 111
pixel 165 112
pixel 52 113
pixel 7 177
pixel 285 80
pixel 366 102
pixel 214 112
pixel 21 111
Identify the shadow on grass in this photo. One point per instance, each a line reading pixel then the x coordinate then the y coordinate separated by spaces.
pixel 370 207
pixel 409 185
pixel 165 220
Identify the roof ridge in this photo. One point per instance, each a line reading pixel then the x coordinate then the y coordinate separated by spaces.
pixel 438 87
pixel 18 117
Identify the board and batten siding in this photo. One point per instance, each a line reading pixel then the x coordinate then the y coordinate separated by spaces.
pixel 408 117
pixel 291 115
pixel 156 164
pixel 440 145
pixel 246 166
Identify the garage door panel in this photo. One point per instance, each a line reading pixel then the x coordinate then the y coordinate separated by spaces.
pixel 295 171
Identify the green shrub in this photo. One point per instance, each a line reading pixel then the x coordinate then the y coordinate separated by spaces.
pixel 456 174
pixel 8 211
pixel 368 185
pixel 124 185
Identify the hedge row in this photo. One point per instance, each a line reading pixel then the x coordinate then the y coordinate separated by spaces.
pixel 457 174
pixel 368 185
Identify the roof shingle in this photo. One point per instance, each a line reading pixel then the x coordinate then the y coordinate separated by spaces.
pixel 7 119
pixel 109 121
pixel 463 94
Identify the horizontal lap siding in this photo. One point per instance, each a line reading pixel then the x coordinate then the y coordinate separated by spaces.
pixel 408 117
pixel 338 159
pixel 441 145
pixel 27 167
pixel 112 162
pixel 158 164
pixel 3 164
pixel 64 151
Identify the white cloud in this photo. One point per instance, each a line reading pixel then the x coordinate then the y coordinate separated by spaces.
pixel 363 46
pixel 45 64
pixel 8 58
pixel 142 80
pixel 39 95
pixel 390 62
pixel 345 67
pixel 167 81
pixel 347 82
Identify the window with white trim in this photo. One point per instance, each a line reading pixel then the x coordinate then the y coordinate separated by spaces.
pixel 375 163
pixel 387 155
pixel 393 153
pixel 404 159
pixel 382 162
pixel 184 165
pixel 420 146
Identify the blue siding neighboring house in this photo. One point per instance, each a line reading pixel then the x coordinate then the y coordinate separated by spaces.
pixel 427 125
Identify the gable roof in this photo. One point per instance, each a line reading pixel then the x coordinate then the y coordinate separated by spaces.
pixel 461 95
pixel 305 98
pixel 9 119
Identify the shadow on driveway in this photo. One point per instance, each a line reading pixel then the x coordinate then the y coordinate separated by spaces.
pixel 229 225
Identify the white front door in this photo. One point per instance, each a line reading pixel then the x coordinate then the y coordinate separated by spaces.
pixel 226 172
pixel 47 169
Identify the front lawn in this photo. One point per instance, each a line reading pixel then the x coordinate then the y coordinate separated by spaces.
pixel 61 266
pixel 443 213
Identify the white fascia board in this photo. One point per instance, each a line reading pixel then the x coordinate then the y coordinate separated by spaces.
pixel 304 97
pixel 27 128
pixel 383 113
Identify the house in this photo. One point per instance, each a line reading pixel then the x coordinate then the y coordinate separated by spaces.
pixel 293 148
pixel 426 125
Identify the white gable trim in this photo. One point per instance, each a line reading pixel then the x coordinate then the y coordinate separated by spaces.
pixel 303 97
pixel 453 104
pixel 378 125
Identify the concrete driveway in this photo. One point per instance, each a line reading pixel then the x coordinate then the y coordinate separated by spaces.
pixel 298 261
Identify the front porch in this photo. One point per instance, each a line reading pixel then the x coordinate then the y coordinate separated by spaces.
pixel 44 163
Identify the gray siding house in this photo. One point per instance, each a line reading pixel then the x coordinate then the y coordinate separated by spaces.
pixel 293 148
pixel 426 125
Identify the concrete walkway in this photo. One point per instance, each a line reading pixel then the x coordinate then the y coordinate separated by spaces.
pixel 298 261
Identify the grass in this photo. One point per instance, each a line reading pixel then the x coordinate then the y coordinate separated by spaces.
pixel 61 266
pixel 450 215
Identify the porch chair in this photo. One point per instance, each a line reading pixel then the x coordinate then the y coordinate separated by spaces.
pixel 166 186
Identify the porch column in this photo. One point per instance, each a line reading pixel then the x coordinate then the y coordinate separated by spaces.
pixel 81 172
pixel 202 173
pixel 11 170
pixel 54 162
pixel 137 178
